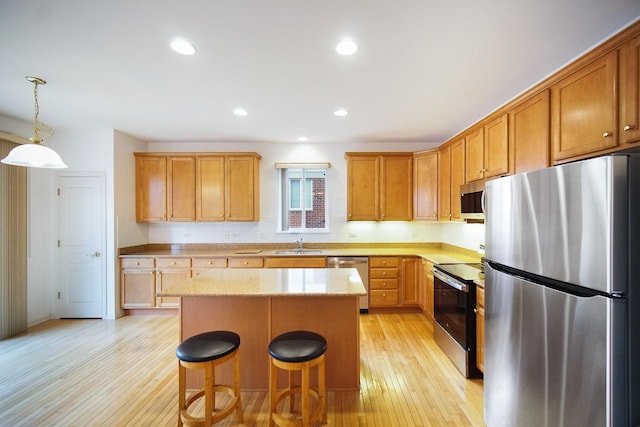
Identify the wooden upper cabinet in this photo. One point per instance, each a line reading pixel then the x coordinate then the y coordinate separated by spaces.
pixel 457 177
pixel 529 131
pixel 210 188
pixel 197 187
pixel 242 188
pixel 452 176
pixel 181 188
pixel 584 110
pixel 363 188
pixel 475 155
pixel 151 188
pixel 496 147
pixel 425 186
pixel 487 150
pixel 396 189
pixel 444 186
pixel 379 186
pixel 630 92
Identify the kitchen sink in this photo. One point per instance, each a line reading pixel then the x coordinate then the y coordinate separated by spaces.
pixel 299 252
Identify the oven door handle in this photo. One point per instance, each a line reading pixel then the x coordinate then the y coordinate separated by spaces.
pixel 449 281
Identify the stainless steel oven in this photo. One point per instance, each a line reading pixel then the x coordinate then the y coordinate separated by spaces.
pixel 454 303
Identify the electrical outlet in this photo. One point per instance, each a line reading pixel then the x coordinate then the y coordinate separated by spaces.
pixel 353 235
pixel 414 234
pixel 226 234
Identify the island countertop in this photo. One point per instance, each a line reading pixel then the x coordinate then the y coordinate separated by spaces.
pixel 271 282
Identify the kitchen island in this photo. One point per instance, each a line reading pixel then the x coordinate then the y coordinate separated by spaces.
pixel 260 304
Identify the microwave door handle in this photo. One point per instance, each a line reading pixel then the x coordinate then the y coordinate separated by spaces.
pixel 482 203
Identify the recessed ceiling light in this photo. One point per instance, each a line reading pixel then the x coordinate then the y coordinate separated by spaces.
pixel 340 112
pixel 182 46
pixel 303 139
pixel 240 112
pixel 346 47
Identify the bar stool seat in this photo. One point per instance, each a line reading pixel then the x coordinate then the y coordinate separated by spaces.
pixel 298 351
pixel 204 352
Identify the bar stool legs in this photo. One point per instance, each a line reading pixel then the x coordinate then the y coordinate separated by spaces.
pixel 204 352
pixel 293 352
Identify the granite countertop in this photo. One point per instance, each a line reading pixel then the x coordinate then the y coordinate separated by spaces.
pixel 271 282
pixel 431 252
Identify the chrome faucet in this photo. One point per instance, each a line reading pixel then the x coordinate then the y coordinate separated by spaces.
pixel 299 242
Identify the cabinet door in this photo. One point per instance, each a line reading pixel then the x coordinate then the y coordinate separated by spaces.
pixel 457 177
pixel 427 272
pixel 409 282
pixel 363 188
pixel 496 148
pixel 396 179
pixel 168 277
pixel 480 328
pixel 630 92
pixel 181 186
pixel 138 288
pixel 529 131
pixel 584 110
pixel 444 187
pixel 242 188
pixel 210 188
pixel 474 169
pixel 151 188
pixel 425 182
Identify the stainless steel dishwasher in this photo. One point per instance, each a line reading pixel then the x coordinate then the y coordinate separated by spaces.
pixel 361 263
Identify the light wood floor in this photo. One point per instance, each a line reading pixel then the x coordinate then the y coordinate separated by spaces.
pixel 124 372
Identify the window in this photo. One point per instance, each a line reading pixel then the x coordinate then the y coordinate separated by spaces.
pixel 302 197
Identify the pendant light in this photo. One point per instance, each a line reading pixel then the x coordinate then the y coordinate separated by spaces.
pixel 35 155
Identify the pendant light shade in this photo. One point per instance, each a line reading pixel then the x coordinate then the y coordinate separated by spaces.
pixel 35 155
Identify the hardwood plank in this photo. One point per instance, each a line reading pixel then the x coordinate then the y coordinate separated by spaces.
pixel 124 373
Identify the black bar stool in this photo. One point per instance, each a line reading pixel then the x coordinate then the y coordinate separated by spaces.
pixel 204 352
pixel 297 351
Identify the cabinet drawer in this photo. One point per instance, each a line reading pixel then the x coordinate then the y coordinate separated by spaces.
pixel 137 262
pixel 479 297
pixel 384 273
pixel 246 262
pixel 383 284
pixel 173 262
pixel 380 261
pixel 295 262
pixel 209 262
pixel 383 298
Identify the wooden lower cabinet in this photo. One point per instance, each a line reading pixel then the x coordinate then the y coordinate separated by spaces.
pixel 426 293
pixel 170 272
pixel 410 281
pixel 246 262
pixel 138 283
pixel 394 282
pixel 200 266
pixel 383 281
pixel 480 328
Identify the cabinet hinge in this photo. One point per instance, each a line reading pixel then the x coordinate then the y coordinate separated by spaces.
pixel 58 243
pixel 58 191
pixel 58 294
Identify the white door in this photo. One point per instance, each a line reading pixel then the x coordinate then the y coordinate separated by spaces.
pixel 81 284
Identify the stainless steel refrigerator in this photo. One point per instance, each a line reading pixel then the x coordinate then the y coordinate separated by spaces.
pixel 562 312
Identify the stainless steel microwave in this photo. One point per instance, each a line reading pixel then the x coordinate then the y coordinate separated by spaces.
pixel 472 200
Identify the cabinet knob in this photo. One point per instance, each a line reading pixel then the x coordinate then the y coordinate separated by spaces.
pixel 384 273
pixel 246 262
pixel 606 134
pixel 384 284
pixel 475 310
pixel 627 128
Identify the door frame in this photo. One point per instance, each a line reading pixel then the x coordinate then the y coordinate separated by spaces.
pixel 103 244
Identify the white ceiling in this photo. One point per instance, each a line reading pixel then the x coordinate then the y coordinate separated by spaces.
pixel 425 70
